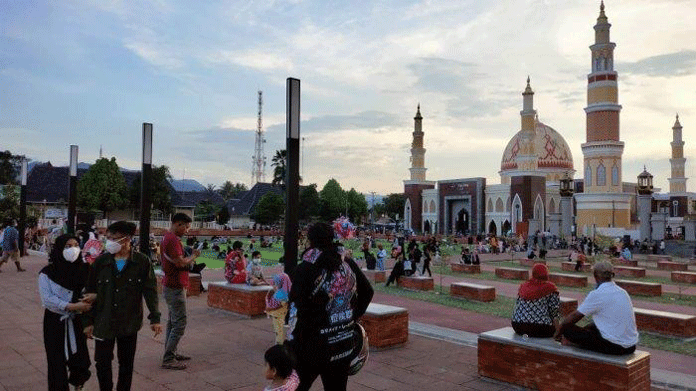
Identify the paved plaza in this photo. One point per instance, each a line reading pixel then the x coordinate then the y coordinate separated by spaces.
pixel 227 349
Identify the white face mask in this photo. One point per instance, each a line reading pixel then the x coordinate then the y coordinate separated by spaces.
pixel 71 254
pixel 112 246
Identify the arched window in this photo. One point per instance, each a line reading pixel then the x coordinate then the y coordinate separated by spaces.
pixel 490 205
pixel 499 205
pixel 552 206
pixel 425 206
pixel 601 175
pixel 507 205
pixel 432 207
pixel 615 175
pixel 588 176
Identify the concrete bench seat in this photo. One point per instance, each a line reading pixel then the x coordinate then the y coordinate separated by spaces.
pixel 463 268
pixel 659 257
pixel 531 262
pixel 624 262
pixel 673 266
pixel 563 279
pixel 385 325
pixel 473 291
pixel 511 273
pixel 375 275
pixel 239 298
pixel 419 283
pixel 640 288
pixel 194 288
pixel 508 357
pixel 570 267
pixel 669 323
pixel 628 271
pixel 684 277
pixel 567 305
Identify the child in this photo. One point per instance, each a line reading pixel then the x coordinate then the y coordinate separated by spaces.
pixel 278 368
pixel 277 304
pixel 254 274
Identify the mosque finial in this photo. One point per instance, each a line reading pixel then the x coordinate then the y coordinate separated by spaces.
pixel 676 123
pixel 601 6
pixel 528 89
pixel 418 113
pixel 602 15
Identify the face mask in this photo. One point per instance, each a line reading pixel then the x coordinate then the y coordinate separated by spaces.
pixel 71 254
pixel 112 246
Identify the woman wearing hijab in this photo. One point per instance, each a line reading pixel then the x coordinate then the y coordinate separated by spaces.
pixel 60 286
pixel 536 309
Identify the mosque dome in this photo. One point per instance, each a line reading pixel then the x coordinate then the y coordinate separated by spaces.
pixel 553 153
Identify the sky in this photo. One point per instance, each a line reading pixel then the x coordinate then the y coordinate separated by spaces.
pixel 90 72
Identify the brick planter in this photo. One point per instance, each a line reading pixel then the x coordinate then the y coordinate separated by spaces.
pixel 570 267
pixel 640 288
pixel 473 291
pixel 507 357
pixel 568 279
pixel 669 323
pixel 468 269
pixel 194 288
pixel 684 277
pixel 239 298
pixel 531 262
pixel 510 273
pixel 628 271
pixel 416 283
pixel 385 325
pixel 375 275
pixel 567 306
pixel 623 262
pixel 674 266
pixel 659 257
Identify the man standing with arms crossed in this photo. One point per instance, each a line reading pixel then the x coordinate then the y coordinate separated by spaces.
pixel 176 268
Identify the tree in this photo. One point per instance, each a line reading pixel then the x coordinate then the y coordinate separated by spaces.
pixel 160 190
pixel 205 211
pixel 103 187
pixel 357 205
pixel 223 216
pixel 9 202
pixel 269 209
pixel 309 202
pixel 279 163
pixel 210 188
pixel 10 166
pixel 333 200
pixel 229 191
pixel 394 204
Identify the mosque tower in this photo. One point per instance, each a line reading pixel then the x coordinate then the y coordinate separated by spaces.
pixel 413 188
pixel 417 151
pixel 677 183
pixel 527 159
pixel 603 202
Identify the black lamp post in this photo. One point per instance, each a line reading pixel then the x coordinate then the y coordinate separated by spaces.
pixel 145 190
pixel 23 206
pixel 292 179
pixel 72 191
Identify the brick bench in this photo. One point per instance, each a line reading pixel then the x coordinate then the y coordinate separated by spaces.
pixel 511 273
pixel 640 288
pixel 375 275
pixel 462 268
pixel 385 325
pixel 563 279
pixel 531 262
pixel 194 288
pixel 419 283
pixel 628 271
pixel 669 323
pixel 508 357
pixel 473 291
pixel 570 267
pixel 239 298
pixel 673 266
pixel 684 277
pixel 624 262
pixel 567 306
pixel 659 257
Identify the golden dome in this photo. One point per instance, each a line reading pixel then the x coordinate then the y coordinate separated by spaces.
pixel 552 150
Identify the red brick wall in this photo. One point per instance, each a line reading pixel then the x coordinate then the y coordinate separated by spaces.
pixel 570 267
pixel 194 288
pixel 684 277
pixel 375 275
pixel 469 269
pixel 566 280
pixel 386 331
pixel 674 266
pixel 511 274
pixel 640 288
pixel 628 271
pixel 421 284
pixel 531 262
pixel 567 306
pixel 664 323
pixel 414 194
pixel 250 303
pixel 602 126
pixel 623 262
pixel 473 292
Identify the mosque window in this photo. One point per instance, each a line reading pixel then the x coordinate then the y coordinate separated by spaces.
pixel 601 175
pixel 432 207
pixel 425 206
pixel 615 175
pixel 588 176
pixel 490 205
pixel 552 206
pixel 499 205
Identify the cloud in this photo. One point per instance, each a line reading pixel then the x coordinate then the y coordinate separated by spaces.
pixel 682 63
pixel 261 60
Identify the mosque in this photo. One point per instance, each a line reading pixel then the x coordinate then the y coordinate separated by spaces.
pixel 536 188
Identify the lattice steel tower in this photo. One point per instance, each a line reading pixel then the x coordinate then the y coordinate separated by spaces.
pixel 258 166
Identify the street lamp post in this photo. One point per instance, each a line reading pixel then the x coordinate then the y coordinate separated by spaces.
pixel 72 191
pixel 145 190
pixel 292 179
pixel 23 206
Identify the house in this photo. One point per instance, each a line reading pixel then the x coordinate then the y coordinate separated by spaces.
pixel 241 208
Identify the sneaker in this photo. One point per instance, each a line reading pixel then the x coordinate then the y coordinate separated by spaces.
pixel 173 365
pixel 181 357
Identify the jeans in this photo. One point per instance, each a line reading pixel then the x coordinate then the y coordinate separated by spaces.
pixel 176 303
pixel 104 354
pixel 380 264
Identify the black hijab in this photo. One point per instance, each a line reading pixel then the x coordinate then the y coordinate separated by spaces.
pixel 69 275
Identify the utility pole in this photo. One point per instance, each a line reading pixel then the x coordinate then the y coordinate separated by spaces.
pixel 292 174
pixel 258 161
pixel 372 210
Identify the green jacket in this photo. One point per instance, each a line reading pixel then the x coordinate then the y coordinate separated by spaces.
pixel 118 309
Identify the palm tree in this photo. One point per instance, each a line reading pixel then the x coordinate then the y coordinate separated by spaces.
pixel 279 162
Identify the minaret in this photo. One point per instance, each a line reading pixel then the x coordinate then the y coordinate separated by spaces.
pixel 603 202
pixel 677 183
pixel 527 159
pixel 417 151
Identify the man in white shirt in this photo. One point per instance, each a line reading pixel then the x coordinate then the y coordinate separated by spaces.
pixel 614 329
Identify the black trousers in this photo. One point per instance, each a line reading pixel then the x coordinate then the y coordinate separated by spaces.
pixel 534 330
pixel 426 266
pixel 78 362
pixel 590 338
pixel 104 354
pixel 333 377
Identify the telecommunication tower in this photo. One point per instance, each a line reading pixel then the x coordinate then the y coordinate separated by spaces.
pixel 258 166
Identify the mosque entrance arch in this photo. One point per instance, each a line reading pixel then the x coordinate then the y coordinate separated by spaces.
pixel 492 228
pixel 506 228
pixel 426 227
pixel 461 225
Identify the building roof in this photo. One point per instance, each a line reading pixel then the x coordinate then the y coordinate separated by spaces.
pixel 248 199
pixel 551 149
pixel 193 198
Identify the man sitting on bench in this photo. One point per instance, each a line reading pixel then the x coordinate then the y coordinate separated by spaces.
pixel 614 329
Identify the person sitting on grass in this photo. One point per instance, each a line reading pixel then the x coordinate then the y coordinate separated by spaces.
pixel 536 308
pixel 626 254
pixel 235 264
pixel 253 270
pixel 279 364
pixel 613 330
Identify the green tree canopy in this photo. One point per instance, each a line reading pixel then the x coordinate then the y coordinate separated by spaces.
pixel 394 204
pixel 205 211
pixel 229 191
pixel 357 205
pixel 333 201
pixel 309 202
pixel 269 209
pixel 223 216
pixel 9 202
pixel 103 187
pixel 10 166
pixel 279 163
pixel 161 191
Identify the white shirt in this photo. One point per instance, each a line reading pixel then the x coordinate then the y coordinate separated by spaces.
pixel 612 312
